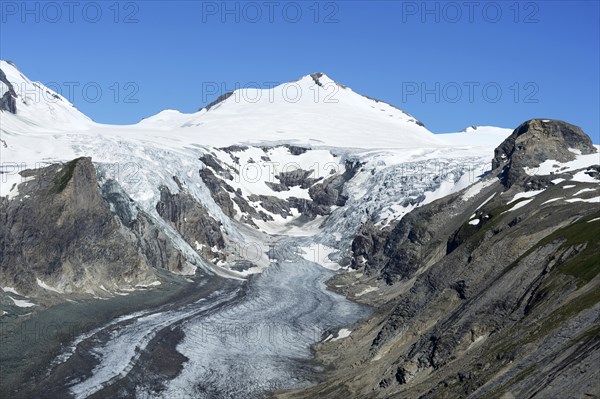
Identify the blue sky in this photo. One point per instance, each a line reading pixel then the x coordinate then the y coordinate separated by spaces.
pixel 449 65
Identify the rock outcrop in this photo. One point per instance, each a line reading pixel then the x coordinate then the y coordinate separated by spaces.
pixel 67 231
pixel 330 191
pixel 60 230
pixel 535 141
pixel 324 192
pixel 193 222
pixel 293 178
pixel 397 253
pixel 8 98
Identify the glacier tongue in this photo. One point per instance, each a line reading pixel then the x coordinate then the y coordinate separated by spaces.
pixel 238 342
pixel 262 342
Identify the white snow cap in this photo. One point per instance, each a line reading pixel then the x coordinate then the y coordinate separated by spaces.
pixel 314 110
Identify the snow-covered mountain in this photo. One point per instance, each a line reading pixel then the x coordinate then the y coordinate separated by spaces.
pixel 279 160
pixel 314 110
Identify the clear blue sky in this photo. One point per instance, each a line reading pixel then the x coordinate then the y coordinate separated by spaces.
pixel 543 56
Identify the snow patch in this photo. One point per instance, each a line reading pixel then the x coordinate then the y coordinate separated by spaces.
pixel 152 284
pixel 519 205
pixel 589 200
pixel 525 194
pixel 367 290
pixel 584 190
pixel 343 333
pixel 48 287
pixel 485 202
pixel 476 189
pixel 11 290
pixel 552 200
pixel 584 178
pixel 22 303
pixel 551 166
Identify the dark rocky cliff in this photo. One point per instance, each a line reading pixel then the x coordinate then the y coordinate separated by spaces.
pixel 60 229
pixel 8 99
pixel 65 230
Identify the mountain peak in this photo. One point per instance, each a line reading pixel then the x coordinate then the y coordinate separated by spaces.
pixel 321 79
pixel 313 109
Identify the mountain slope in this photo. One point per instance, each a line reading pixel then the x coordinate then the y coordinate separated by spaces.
pixel 35 107
pixel 491 292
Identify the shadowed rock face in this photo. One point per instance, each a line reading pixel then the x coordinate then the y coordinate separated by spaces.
pixel 7 101
pixel 156 246
pixel 396 254
pixel 294 178
pixel 59 229
pixel 329 192
pixel 219 191
pixel 535 141
pixel 65 230
pixel 192 221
